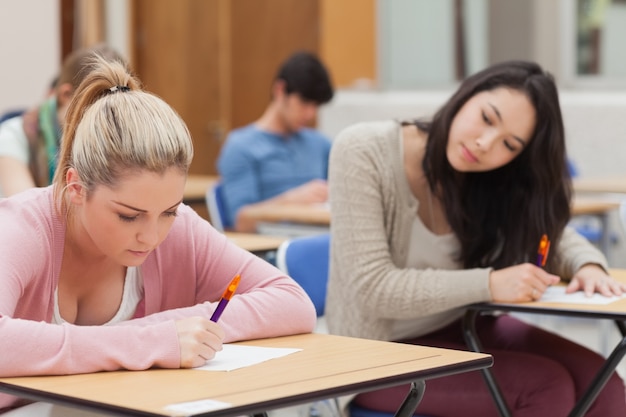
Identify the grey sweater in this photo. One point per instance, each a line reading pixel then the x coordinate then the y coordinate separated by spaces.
pixel 373 209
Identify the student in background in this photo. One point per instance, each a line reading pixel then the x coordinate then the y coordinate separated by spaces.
pixel 279 159
pixel 432 215
pixel 29 143
pixel 106 269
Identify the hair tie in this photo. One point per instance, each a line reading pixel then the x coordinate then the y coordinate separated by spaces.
pixel 116 88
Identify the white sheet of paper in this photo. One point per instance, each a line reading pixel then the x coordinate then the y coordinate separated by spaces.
pixel 556 294
pixel 196 407
pixel 239 356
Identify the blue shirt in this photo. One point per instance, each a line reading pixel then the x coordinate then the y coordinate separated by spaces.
pixel 255 165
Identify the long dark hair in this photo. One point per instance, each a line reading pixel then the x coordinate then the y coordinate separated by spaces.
pixel 499 216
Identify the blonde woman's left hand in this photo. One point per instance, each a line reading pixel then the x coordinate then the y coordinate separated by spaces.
pixel 591 278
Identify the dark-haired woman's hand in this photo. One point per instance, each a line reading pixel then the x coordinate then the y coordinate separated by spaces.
pixel 199 340
pixel 520 283
pixel 592 278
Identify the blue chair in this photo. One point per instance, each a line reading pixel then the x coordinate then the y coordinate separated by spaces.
pixel 306 260
pixel 217 209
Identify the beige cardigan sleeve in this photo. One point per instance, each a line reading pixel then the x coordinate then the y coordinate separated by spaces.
pixel 574 251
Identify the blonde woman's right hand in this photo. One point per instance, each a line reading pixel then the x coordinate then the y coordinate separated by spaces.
pixel 520 283
pixel 199 339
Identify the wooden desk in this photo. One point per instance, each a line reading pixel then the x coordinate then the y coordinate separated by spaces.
pixel 318 214
pixel 610 185
pixel 291 220
pixel 196 187
pixel 258 244
pixel 592 206
pixel 328 366
pixel 614 311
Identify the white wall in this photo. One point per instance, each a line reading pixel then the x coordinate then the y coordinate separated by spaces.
pixel 612 56
pixel 30 48
pixel 415 40
pixel 595 122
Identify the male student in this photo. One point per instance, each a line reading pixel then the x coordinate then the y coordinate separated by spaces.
pixel 279 158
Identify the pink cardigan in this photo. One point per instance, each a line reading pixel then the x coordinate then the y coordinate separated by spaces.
pixel 185 276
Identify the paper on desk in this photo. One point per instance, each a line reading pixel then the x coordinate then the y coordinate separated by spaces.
pixel 556 294
pixel 196 407
pixel 239 356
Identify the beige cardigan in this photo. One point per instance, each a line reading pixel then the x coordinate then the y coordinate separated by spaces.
pixel 372 211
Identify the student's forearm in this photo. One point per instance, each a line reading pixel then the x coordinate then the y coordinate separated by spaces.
pixel 244 223
pixel 246 219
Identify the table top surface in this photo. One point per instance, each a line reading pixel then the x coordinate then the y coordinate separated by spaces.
pixel 614 311
pixel 297 213
pixel 327 366
pixel 319 214
pixel 588 205
pixel 255 243
pixel 607 184
pixel 196 187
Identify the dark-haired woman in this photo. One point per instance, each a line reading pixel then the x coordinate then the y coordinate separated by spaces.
pixel 430 216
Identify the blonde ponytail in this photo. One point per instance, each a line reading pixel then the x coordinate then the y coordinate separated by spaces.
pixel 113 126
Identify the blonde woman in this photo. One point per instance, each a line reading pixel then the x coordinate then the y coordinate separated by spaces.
pixel 106 269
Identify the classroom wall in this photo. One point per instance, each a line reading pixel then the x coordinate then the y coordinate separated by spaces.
pixel 29 41
pixel 594 120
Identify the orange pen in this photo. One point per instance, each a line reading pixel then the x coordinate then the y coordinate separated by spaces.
pixel 228 293
pixel 542 251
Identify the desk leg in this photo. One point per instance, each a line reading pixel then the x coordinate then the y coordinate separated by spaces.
pixel 601 378
pixel 413 398
pixel 471 339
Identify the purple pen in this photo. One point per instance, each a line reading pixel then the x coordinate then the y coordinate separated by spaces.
pixel 228 293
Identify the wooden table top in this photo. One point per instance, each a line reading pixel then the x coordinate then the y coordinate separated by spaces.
pixel 608 184
pixel 589 205
pixel 256 243
pixel 614 311
pixel 327 366
pixel 318 214
pixel 196 187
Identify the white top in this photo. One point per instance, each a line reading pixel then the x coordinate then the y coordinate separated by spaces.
pixel 13 141
pixel 438 255
pixel 133 293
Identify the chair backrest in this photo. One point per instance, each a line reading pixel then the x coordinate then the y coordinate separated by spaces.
pixel 572 168
pixel 11 114
pixel 305 259
pixel 217 210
